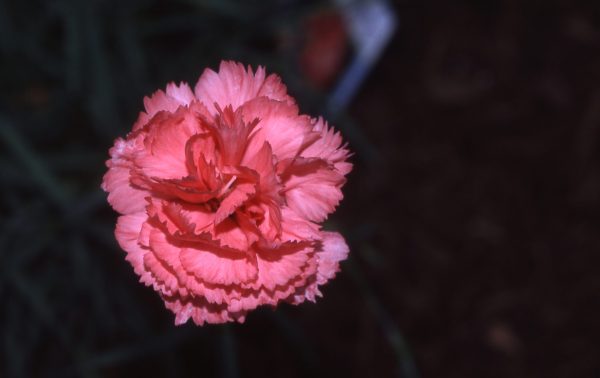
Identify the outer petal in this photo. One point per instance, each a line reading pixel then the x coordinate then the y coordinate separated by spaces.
pixel 199 310
pixel 122 195
pixel 280 125
pixel 334 249
pixel 174 97
pixel 164 154
pixel 181 93
pixel 159 102
pixel 277 267
pixel 127 234
pixel 187 218
pixel 219 294
pixel 296 228
pixel 312 189
pixel 329 147
pixel 172 280
pixel 274 89
pixel 165 279
pixel 217 268
pixel 234 85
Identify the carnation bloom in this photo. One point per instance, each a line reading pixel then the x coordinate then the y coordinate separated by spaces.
pixel 221 191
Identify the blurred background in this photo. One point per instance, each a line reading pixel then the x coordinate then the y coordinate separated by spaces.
pixel 473 211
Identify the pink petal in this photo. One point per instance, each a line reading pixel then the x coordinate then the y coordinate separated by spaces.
pixel 177 281
pixel 277 267
pixel 333 250
pixel 127 232
pixel 280 125
pixel 231 235
pixel 313 190
pixel 164 278
pixel 181 218
pixel 199 310
pixel 201 156
pixel 329 147
pixel 274 89
pixel 164 153
pixel 159 102
pixel 231 134
pixel 174 97
pixel 122 196
pixel 270 227
pixel 262 163
pixel 296 228
pixel 182 94
pixel 216 266
pixel 234 85
pixel 234 199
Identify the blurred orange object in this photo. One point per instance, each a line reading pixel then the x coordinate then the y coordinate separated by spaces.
pixel 325 48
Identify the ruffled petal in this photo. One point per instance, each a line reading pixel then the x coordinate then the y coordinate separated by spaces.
pixel 164 278
pixel 199 310
pixel 240 193
pixel 204 259
pixel 174 97
pixel 122 196
pixel 329 147
pixel 180 218
pixel 159 102
pixel 312 189
pixel 333 250
pixel 277 267
pixel 181 93
pixel 164 153
pixel 218 268
pixel 274 89
pixel 229 234
pixel 296 228
pixel 280 125
pixel 262 163
pixel 234 85
pixel 127 233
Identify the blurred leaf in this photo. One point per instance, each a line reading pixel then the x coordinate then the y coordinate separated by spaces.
pixel 406 365
pixel 229 364
pixel 29 159
pixel 7 37
pixel 227 8
pixel 102 99
pixel 150 346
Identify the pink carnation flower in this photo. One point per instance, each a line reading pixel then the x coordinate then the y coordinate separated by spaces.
pixel 221 191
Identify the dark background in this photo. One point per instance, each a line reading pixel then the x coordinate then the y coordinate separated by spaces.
pixel 472 212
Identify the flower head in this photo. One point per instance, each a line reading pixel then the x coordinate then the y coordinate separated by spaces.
pixel 221 191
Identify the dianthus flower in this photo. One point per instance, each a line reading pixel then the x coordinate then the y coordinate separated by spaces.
pixel 221 191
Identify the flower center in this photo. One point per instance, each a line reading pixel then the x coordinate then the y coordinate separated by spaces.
pixel 225 188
